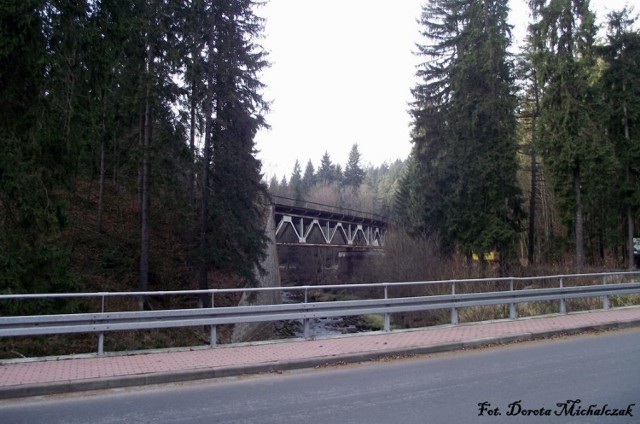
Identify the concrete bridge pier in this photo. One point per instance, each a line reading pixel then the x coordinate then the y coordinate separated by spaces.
pixel 258 330
pixel 352 258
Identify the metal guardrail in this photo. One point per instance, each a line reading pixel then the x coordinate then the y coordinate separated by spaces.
pixel 102 322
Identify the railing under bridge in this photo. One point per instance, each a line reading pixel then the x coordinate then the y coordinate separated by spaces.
pixel 312 224
pixel 389 298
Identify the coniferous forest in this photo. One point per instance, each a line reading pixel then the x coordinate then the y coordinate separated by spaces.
pixel 127 133
pixel 533 155
pixel 128 155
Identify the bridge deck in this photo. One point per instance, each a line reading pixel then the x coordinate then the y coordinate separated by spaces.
pixel 311 224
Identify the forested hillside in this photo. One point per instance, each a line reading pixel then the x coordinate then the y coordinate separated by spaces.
pixel 365 188
pixel 128 156
pixel 127 133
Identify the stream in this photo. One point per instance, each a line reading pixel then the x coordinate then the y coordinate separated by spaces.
pixel 320 327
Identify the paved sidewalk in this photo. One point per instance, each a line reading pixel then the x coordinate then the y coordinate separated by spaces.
pixel 20 378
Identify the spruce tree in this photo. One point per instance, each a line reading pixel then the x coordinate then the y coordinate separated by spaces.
pixel 338 174
pixel 420 202
pixel 463 183
pixel 621 89
pixel 327 170
pixel 192 52
pixel 232 219
pixel 117 89
pixel 295 182
pixel 353 173
pixel 309 177
pixel 563 37
pixel 487 201
pixel 41 75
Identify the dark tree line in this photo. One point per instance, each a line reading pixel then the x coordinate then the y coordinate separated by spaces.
pixel 369 189
pixel 104 102
pixel 573 126
pixel 127 133
pixel 461 187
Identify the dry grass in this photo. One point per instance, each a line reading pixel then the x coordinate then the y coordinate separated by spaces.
pixel 483 313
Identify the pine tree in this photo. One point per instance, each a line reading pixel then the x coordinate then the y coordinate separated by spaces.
pixel 621 89
pixel 563 38
pixel 296 183
pixel 309 177
pixel 463 182
pixel 92 90
pixel 327 170
pixel 338 174
pixel 232 230
pixel 157 94
pixel 353 173
pixel 39 55
pixel 420 201
pixel 410 202
pixel 274 186
pixel 487 199
pixel 284 187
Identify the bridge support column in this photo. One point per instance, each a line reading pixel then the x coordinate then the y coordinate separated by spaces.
pixel 243 332
pixel 346 262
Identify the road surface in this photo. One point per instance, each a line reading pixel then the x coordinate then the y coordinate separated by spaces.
pixel 573 380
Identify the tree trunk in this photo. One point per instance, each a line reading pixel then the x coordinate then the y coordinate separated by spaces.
pixel 532 208
pixel 534 177
pixel 203 283
pixel 630 235
pixel 143 283
pixel 192 141
pixel 101 189
pixel 631 264
pixel 102 167
pixel 579 219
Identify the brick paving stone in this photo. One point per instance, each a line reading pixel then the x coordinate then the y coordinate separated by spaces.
pixel 71 369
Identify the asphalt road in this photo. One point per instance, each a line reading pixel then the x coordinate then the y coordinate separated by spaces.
pixel 529 378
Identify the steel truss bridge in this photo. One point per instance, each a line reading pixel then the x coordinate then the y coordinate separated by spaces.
pixel 313 224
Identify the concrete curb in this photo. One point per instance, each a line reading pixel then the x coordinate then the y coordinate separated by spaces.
pixel 62 387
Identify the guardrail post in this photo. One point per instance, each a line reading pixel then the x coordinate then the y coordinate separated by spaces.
pixel 387 318
pixel 306 320
pixel 101 344
pixel 454 311
pixel 563 304
pixel 605 298
pixel 513 314
pixel 101 335
pixel 213 330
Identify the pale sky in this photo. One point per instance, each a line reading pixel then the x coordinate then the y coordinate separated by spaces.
pixel 341 73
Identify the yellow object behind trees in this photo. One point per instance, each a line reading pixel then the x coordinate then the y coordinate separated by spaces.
pixel 489 256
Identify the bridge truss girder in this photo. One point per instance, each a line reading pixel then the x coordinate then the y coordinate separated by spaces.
pixel 317 231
